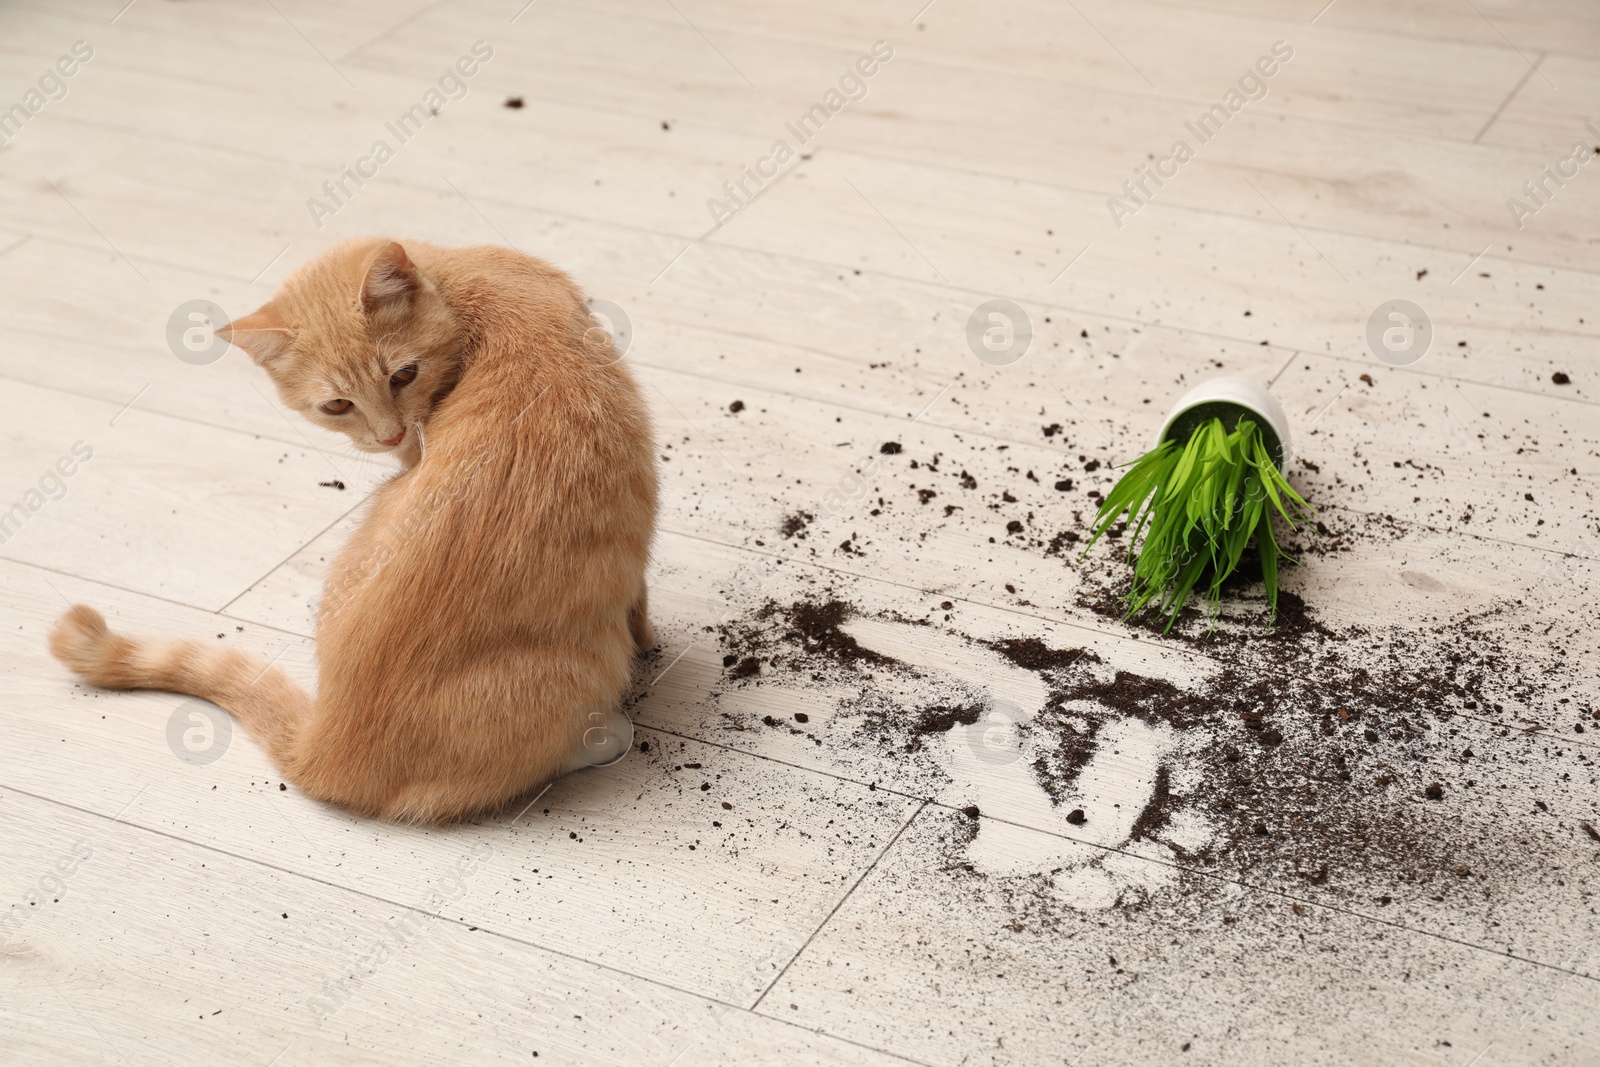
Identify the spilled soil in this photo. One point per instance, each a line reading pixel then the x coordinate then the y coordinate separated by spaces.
pixel 1379 761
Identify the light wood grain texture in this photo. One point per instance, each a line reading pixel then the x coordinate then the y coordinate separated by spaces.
pixel 217 958
pixel 1017 970
pixel 860 898
pixel 697 584
pixel 77 472
pixel 747 893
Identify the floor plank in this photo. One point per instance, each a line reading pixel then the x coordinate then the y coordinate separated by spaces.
pixel 1523 793
pixel 860 823
pixel 202 939
pixel 743 895
pixel 78 471
pixel 1017 970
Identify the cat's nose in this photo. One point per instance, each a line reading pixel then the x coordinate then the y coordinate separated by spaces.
pixel 396 439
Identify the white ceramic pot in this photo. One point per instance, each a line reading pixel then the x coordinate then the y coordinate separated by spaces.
pixel 1229 398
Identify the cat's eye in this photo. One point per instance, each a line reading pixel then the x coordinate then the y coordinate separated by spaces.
pixel 403 375
pixel 337 407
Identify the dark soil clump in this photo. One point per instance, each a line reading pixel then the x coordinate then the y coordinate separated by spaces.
pixel 817 625
pixel 795 525
pixel 1158 811
pixel 941 720
pixel 1034 655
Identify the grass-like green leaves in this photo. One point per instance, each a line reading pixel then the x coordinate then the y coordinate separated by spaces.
pixel 1193 508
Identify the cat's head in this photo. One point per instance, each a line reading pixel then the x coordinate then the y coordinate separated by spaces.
pixel 360 341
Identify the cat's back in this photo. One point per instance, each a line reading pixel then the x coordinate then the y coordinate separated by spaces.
pixel 546 427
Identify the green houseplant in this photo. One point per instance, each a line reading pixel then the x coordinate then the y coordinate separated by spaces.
pixel 1207 492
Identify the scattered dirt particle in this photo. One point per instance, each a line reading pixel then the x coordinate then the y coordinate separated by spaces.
pixel 1058 543
pixel 795 525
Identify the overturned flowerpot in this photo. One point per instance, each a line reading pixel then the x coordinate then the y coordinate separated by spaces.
pixel 1205 494
pixel 1231 398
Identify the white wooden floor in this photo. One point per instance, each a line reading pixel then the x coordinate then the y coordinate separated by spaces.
pixel 804 891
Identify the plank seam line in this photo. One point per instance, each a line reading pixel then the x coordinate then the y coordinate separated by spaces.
pixel 839 904
pixel 376 898
pixel 285 560
pixel 158 598
pixel 1515 89
pixel 835 151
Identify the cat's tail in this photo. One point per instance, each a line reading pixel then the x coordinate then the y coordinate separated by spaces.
pixel 259 696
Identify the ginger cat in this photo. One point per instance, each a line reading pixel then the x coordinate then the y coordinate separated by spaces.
pixel 489 607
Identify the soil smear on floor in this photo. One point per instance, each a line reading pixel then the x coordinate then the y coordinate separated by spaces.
pixel 1374 762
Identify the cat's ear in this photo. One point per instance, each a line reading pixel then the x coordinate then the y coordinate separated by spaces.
pixel 391 279
pixel 262 334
